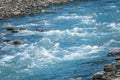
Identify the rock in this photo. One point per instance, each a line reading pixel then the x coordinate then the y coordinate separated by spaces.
pixel 117 59
pixel 118 65
pixel 114 53
pixel 17 42
pixel 39 30
pixel 47 11
pixel 6 40
pixel 108 68
pixel 10 29
pixel 14 31
pixel 16 13
pixel 23 28
pixel 98 76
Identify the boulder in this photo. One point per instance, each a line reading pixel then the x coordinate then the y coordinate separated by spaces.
pixel 117 58
pixel 17 42
pixel 98 76
pixel 108 68
pixel 114 53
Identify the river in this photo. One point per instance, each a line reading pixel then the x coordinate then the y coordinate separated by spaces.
pixel 74 44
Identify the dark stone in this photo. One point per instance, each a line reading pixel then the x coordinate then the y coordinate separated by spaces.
pixel 39 30
pixel 108 68
pixel 10 29
pixel 114 53
pixel 117 59
pixel 17 42
pixel 6 40
pixel 14 31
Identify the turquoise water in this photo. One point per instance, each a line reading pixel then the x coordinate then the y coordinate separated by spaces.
pixel 74 43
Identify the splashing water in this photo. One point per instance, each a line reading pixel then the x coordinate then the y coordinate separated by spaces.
pixel 74 43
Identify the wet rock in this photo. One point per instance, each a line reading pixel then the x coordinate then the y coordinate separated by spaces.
pixel 22 28
pixel 108 68
pixel 118 65
pixel 10 29
pixel 14 31
pixel 114 53
pixel 98 76
pixel 39 30
pixel 17 42
pixel 117 58
pixel 6 40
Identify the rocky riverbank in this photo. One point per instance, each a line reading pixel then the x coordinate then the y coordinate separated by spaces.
pixel 110 71
pixel 15 8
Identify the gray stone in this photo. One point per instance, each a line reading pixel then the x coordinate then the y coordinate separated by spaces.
pixel 98 76
pixel 115 52
pixel 108 68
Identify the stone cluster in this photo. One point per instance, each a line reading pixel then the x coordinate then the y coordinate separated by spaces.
pixel 110 71
pixel 14 30
pixel 15 8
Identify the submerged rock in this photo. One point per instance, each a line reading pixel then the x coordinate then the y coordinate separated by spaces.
pixel 17 42
pixel 39 30
pixel 10 29
pixel 114 53
pixel 15 30
pixel 22 28
pixel 118 65
pixel 6 40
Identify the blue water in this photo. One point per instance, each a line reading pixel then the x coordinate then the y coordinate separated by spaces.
pixel 74 43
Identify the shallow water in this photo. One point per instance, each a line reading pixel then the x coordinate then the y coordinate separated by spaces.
pixel 74 45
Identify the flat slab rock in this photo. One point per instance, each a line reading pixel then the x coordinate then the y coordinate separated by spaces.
pixel 113 53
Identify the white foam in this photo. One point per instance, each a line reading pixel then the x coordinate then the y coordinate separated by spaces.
pixel 73 16
pixel 26 33
pixel 115 26
pixel 82 52
pixel 7 58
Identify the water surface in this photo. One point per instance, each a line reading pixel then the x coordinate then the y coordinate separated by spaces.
pixel 75 43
